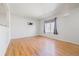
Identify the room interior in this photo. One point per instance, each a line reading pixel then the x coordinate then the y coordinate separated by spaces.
pixel 39 29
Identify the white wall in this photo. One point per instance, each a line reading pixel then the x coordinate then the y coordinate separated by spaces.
pixel 4 38
pixel 4 28
pixel 20 28
pixel 2 20
pixel 68 27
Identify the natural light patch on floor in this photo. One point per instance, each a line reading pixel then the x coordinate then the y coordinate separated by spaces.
pixel 48 48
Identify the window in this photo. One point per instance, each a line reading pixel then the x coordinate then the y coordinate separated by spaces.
pixel 47 27
pixel 50 27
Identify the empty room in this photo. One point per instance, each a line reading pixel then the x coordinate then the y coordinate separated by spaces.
pixel 40 29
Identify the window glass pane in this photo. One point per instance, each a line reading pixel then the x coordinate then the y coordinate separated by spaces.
pixel 52 27
pixel 47 27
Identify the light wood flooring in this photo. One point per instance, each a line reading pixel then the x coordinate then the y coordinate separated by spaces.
pixel 41 46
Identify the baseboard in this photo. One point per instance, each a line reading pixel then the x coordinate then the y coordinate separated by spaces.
pixel 50 38
pixel 61 39
pixel 25 37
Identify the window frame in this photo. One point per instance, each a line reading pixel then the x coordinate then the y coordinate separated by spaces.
pixel 54 26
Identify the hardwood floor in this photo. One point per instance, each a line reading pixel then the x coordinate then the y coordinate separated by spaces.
pixel 41 46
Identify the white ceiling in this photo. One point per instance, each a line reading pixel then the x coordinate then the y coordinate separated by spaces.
pixel 40 10
pixel 32 9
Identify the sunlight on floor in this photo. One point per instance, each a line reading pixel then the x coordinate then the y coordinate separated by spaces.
pixel 48 47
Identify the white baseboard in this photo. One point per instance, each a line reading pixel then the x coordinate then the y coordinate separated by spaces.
pixel 52 37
